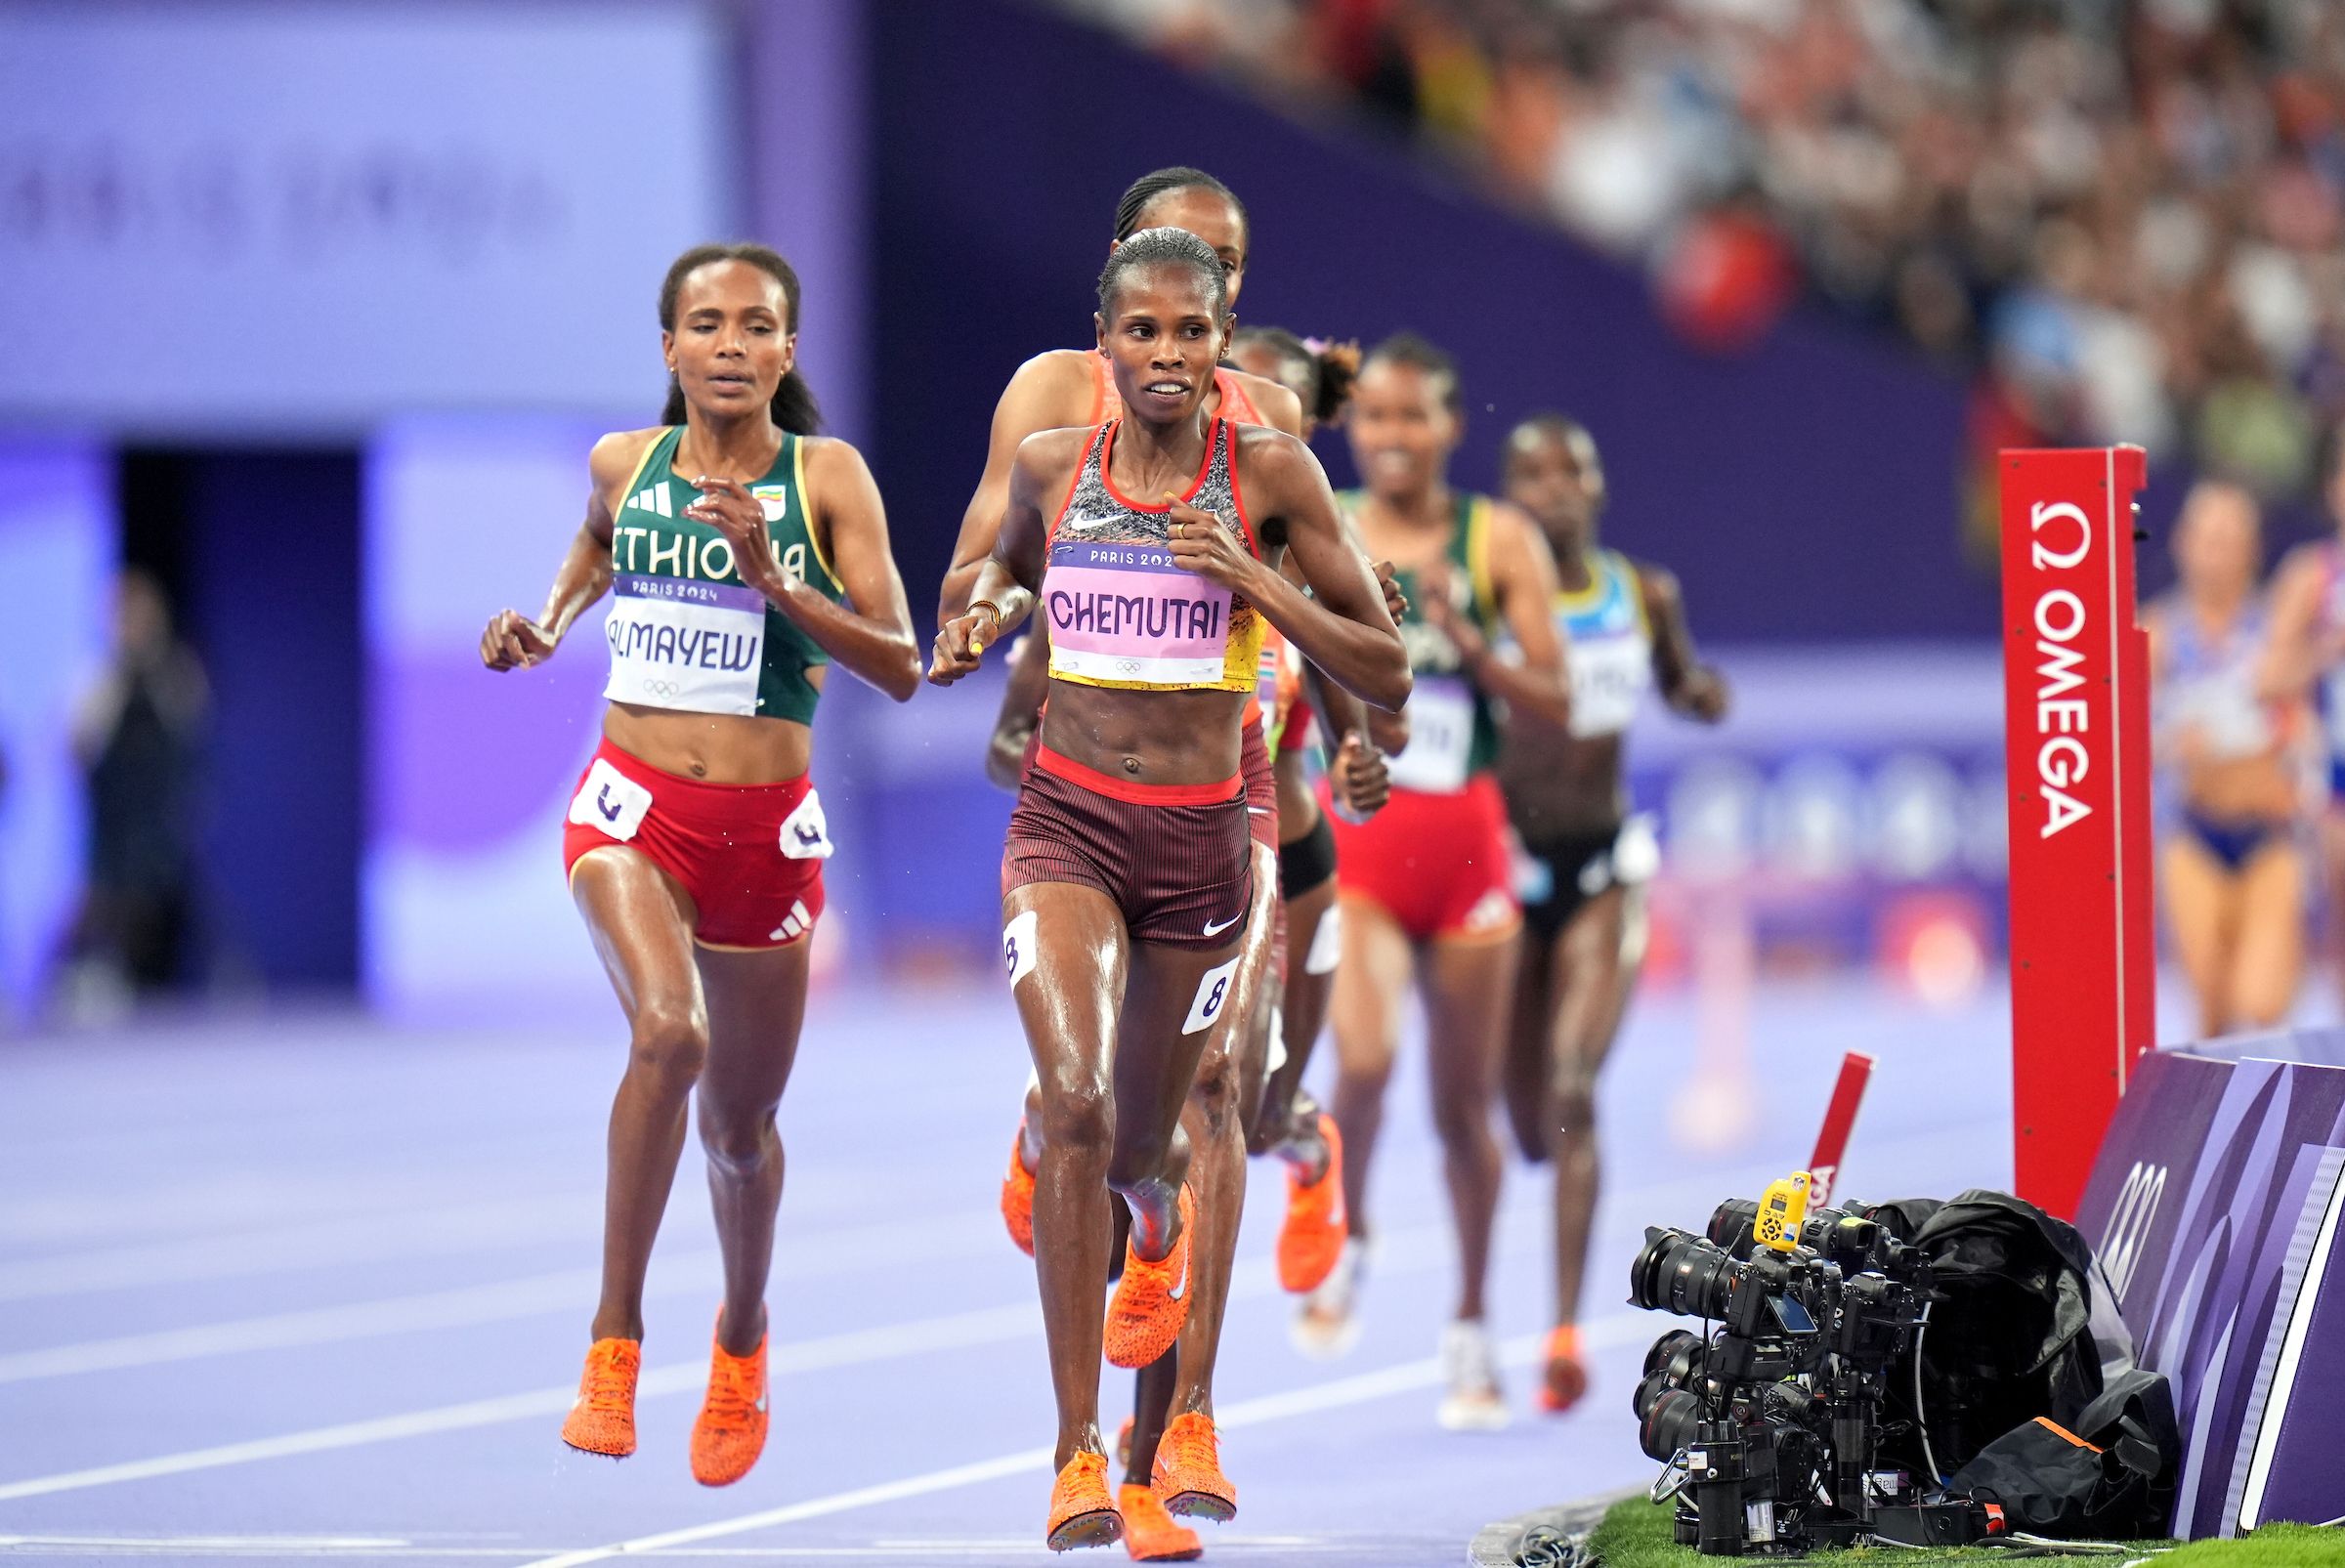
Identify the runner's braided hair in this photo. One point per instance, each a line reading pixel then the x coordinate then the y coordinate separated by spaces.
pixel 1163 247
pixel 1163 181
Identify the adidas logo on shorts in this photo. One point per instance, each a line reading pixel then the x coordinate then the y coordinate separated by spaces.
pixel 1491 911
pixel 794 925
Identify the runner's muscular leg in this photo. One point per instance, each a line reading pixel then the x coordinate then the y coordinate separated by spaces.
pixel 1304 1017
pixel 1468 992
pixel 1372 987
pixel 1528 1073
pixel 2267 960
pixel 757 1007
pixel 1226 1092
pixel 1154 1065
pixel 1067 954
pixel 1595 979
pixel 641 921
pixel 2202 910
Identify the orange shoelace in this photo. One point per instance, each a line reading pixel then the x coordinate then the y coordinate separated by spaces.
pixel 733 1390
pixel 611 1374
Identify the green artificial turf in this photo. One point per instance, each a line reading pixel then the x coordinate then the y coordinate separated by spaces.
pixel 2275 1546
pixel 1635 1534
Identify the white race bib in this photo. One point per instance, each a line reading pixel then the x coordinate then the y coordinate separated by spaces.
pixel 805 833
pixel 1440 737
pixel 678 643
pixel 610 802
pixel 1609 677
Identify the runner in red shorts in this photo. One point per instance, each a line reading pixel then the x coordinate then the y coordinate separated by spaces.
pixel 744 556
pixel 1129 876
pixel 1427 886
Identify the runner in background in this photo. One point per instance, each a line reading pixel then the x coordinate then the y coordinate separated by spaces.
pixel 1587 857
pixel 2231 872
pixel 1427 888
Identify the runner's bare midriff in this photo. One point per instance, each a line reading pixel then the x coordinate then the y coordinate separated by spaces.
pixel 715 747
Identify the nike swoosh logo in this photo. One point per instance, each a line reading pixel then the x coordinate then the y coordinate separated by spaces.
pixel 1180 1289
pixel 1212 931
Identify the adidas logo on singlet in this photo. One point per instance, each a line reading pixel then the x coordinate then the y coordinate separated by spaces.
pixel 652 499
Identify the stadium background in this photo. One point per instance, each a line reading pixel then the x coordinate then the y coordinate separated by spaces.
pixel 313 310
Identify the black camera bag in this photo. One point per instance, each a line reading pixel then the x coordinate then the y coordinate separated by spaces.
pixel 2008 1341
pixel 2116 1481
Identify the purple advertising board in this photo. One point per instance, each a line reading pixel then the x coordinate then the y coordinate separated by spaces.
pixel 2215 1208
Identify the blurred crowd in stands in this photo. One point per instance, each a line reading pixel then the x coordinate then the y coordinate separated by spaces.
pixel 2120 217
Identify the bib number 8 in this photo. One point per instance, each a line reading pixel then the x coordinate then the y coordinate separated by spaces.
pixel 1213 988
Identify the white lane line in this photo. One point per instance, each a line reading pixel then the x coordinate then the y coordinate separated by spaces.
pixel 207 1546
pixel 865 1497
pixel 180 1202
pixel 1401 1251
pixel 271 1547
pixel 447 1226
pixel 495 1302
pixel 1353 1390
pixel 806 1257
pixel 953 1332
pixel 1395 1252
pixel 328 1242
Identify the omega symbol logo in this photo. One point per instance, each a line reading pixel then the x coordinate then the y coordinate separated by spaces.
pixel 2129 1222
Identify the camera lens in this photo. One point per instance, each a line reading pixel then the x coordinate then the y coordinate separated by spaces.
pixel 1679 1351
pixel 1676 1358
pixel 1679 1272
pixel 1673 1364
pixel 1668 1422
pixel 1732 1224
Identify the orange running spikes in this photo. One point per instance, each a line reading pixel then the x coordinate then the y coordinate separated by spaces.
pixel 1152 1299
pixel 1017 1196
pixel 1150 1534
pixel 1312 1237
pixel 1083 1514
pixel 729 1431
pixel 1566 1377
pixel 1188 1470
pixel 602 1419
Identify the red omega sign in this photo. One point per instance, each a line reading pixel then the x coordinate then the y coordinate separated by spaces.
pixel 2076 760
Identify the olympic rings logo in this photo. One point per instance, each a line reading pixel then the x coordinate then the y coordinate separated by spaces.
pixel 1130 667
pixel 656 688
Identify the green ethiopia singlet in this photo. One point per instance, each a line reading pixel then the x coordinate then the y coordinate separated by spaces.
pixel 1452 734
pixel 685 633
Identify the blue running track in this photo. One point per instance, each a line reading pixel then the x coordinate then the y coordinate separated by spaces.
pixel 317 1290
